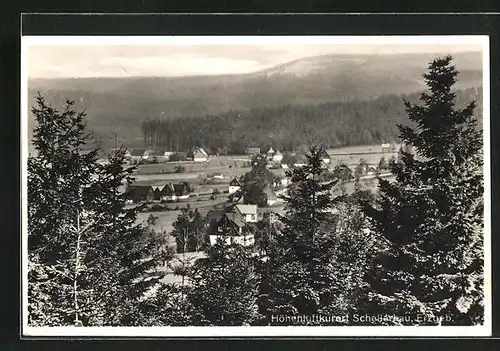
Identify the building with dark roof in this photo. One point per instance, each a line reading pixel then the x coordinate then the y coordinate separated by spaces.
pixel 139 193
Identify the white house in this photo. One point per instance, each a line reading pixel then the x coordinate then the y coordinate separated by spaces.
pixel 301 161
pixel 135 155
pixel 200 155
pixel 167 154
pixel 325 157
pixel 234 186
pixel 230 228
pixel 270 153
pixel 278 156
pixel 281 178
pixel 244 240
pixel 247 212
pixel 386 147
pixel 272 199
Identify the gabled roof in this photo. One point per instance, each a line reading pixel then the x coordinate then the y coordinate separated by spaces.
pixel 324 154
pixel 247 209
pixel 300 159
pixel 278 153
pixel 234 182
pixel 180 189
pixel 200 150
pixel 271 151
pixel 236 219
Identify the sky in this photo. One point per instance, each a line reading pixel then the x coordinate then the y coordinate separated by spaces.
pixel 62 59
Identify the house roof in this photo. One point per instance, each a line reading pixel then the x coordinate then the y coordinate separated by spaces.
pixel 278 173
pixel 234 182
pixel 300 159
pixel 155 152
pixel 247 209
pixel 324 154
pixel 179 188
pixel 200 150
pixel 278 153
pixel 136 152
pixel 253 150
pixel 271 151
pixel 270 193
pixel 236 219
pixel 139 189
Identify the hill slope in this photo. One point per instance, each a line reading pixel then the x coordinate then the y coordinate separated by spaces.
pixel 121 104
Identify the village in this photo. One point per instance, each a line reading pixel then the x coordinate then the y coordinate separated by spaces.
pixel 168 182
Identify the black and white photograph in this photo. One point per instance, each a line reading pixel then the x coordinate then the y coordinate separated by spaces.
pixel 255 186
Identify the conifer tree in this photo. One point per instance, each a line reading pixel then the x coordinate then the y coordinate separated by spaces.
pixel 88 260
pixel 189 231
pixel 224 285
pixel 255 182
pixel 299 273
pixel 431 218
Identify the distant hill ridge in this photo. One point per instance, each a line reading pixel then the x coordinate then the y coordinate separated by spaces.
pixel 121 104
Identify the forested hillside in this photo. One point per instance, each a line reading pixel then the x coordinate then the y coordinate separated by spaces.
pixel 119 105
pixel 289 127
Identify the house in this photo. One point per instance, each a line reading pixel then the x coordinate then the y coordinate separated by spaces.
pixel 387 147
pixel 230 227
pixel 163 191
pixel 139 193
pixel 167 154
pixel 325 157
pixel 178 156
pixel 135 155
pixel 371 171
pixel 253 150
pixel 300 161
pixel 272 199
pixel 234 186
pixel 247 212
pixel 270 153
pixel 181 190
pixel 278 156
pixel 280 178
pixel 152 154
pixel 236 197
pixel 200 155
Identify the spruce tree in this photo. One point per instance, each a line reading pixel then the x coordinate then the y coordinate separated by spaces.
pixel 255 182
pixel 430 219
pixel 224 285
pixel 299 275
pixel 89 262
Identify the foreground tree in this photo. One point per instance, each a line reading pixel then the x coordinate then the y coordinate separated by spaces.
pixel 88 260
pixel 431 217
pixel 299 276
pixel 189 231
pixel 224 285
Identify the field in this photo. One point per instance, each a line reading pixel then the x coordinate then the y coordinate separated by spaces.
pixel 229 167
pixel 352 155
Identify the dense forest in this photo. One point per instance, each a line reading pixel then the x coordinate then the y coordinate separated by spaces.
pixel 290 127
